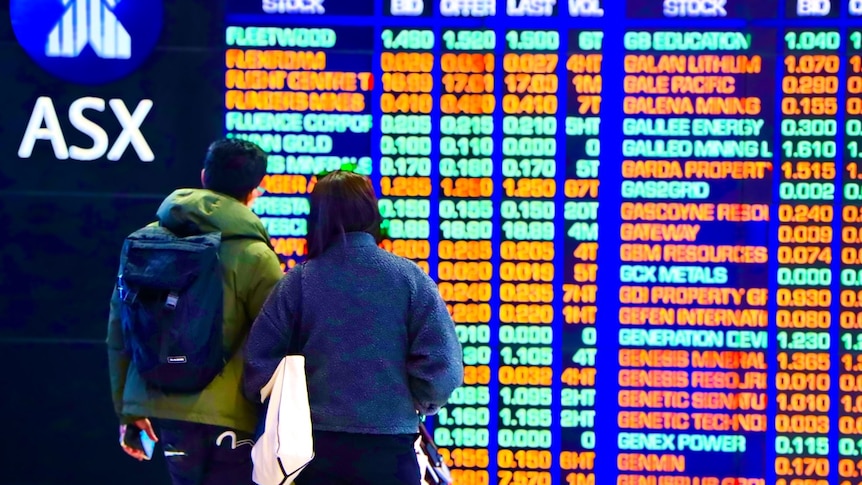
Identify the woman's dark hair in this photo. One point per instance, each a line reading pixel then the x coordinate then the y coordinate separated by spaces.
pixel 341 202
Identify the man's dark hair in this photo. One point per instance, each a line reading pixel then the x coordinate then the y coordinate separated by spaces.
pixel 341 202
pixel 234 167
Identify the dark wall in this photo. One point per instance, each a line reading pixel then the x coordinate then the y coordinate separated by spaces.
pixel 62 224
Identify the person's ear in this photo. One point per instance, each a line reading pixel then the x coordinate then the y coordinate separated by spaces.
pixel 254 194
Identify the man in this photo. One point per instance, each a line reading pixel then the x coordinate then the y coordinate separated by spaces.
pixel 207 436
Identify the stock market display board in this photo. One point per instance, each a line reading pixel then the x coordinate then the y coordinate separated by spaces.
pixel 644 215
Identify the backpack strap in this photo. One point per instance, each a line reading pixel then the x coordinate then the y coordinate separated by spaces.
pixel 231 351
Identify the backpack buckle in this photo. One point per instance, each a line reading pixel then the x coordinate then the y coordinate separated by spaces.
pixel 171 301
pixel 121 288
pixel 129 297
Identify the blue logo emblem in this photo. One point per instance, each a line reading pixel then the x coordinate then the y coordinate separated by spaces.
pixel 87 41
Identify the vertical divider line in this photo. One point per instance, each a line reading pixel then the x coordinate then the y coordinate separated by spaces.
pixel 496 240
pixel 837 222
pixel 558 325
pixel 610 198
pixel 772 350
pixel 376 131
pixel 434 197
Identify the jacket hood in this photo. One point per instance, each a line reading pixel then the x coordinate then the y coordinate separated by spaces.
pixel 202 211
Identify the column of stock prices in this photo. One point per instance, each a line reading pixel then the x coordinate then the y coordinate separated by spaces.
pixel 580 233
pixel 804 276
pixel 644 216
pixel 527 273
pixel 467 102
pixel 405 141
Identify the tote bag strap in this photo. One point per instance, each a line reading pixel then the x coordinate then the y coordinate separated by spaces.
pixel 295 344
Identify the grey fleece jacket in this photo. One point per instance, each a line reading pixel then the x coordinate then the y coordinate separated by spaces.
pixel 378 340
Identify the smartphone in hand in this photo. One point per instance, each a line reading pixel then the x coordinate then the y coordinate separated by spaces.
pixel 137 439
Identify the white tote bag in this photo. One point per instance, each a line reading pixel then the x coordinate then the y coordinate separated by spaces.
pixel 286 447
pixel 423 461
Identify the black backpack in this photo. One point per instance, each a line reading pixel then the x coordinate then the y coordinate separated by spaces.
pixel 172 295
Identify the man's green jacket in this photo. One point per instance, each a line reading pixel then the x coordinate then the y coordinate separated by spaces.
pixel 250 270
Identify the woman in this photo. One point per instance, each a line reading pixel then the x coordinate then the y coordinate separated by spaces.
pixel 378 341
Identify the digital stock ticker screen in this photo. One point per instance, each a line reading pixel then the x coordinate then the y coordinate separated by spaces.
pixel 645 217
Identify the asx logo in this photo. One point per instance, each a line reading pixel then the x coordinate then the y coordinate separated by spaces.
pixel 93 23
pixel 87 41
pixel 44 125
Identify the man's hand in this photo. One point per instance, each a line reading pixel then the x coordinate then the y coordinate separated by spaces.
pixel 142 424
